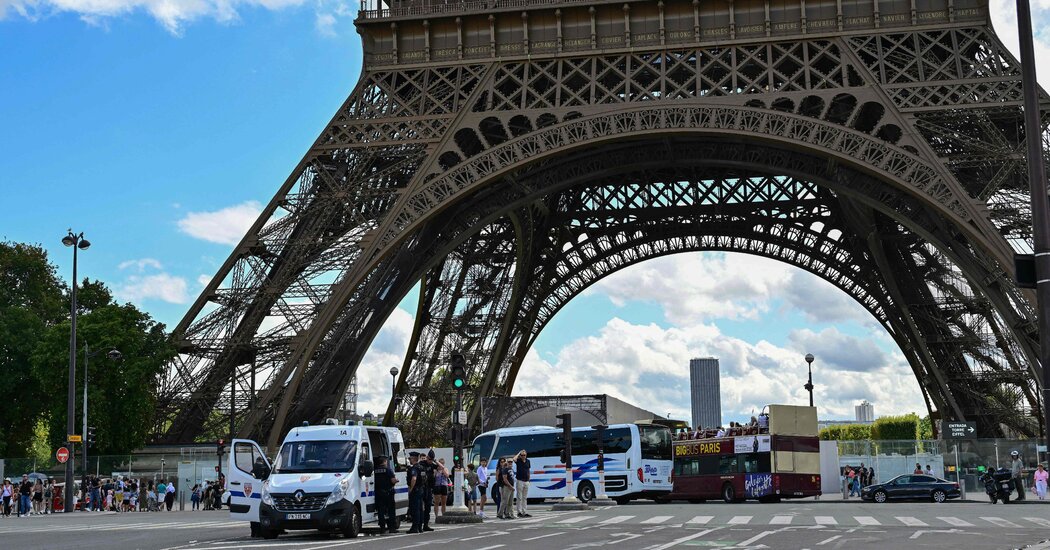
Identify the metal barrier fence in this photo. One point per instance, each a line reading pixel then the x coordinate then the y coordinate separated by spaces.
pixel 961 460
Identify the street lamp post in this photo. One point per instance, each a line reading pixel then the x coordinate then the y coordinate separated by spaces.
pixel 78 242
pixel 809 384
pixel 393 381
pixel 114 355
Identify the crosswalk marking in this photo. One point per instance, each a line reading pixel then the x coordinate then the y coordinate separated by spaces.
pixel 1000 522
pixel 912 522
pixel 700 520
pixel 657 519
pixel 616 519
pixel 956 522
pixel 825 520
pixel 577 519
pixel 867 520
pixel 781 520
pixel 1040 521
pixel 740 520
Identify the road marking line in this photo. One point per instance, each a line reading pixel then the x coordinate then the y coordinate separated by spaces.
pixel 866 520
pixel 740 520
pixel 489 534
pixel 1040 521
pixel 956 522
pixel 781 520
pixel 1001 522
pixel 626 537
pixel 676 542
pixel 825 541
pixel 577 519
pixel 657 519
pixel 825 520
pixel 912 522
pixel 543 536
pixel 616 519
pixel 755 538
pixel 700 520
pixel 492 547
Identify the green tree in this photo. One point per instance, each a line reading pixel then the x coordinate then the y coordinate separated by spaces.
pixel 925 428
pixel 122 394
pixel 30 303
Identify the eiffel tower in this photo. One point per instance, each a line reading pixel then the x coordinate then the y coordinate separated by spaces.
pixel 506 154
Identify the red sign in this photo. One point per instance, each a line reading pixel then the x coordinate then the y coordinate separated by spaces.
pixel 62 455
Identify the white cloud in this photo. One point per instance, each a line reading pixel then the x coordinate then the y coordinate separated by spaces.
pixel 140 265
pixel 1004 20
pixel 224 226
pixel 387 350
pixel 161 286
pixel 647 365
pixel 693 287
pixel 203 280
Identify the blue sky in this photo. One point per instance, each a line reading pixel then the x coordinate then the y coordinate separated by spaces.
pixel 159 127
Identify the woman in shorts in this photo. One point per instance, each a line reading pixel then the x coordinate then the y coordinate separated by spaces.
pixel 440 488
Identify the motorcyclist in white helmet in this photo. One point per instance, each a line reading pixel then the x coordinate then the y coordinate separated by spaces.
pixel 1017 469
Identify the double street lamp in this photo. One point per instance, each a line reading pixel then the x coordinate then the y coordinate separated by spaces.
pixel 77 242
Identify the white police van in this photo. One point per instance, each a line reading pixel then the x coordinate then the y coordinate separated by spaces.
pixel 320 479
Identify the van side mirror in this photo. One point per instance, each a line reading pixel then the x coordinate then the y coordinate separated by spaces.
pixel 261 472
pixel 365 469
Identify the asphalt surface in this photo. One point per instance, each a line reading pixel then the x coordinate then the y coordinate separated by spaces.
pixel 792 525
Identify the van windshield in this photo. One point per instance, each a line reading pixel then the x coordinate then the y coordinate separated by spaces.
pixel 316 456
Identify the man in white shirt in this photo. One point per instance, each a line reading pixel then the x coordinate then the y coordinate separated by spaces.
pixel 483 485
pixel 721 432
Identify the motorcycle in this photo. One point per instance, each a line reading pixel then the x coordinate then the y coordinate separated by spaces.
pixel 998 485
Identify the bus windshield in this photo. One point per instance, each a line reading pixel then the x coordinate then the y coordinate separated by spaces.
pixel 655 442
pixel 316 456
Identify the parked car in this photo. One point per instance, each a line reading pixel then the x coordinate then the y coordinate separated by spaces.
pixel 912 487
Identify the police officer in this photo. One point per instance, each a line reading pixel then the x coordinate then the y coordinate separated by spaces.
pixel 429 468
pixel 416 484
pixel 384 485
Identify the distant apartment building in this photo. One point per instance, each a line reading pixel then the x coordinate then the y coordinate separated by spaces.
pixel 865 412
pixel 705 392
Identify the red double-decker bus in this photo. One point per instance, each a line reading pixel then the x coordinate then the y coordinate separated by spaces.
pixel 762 463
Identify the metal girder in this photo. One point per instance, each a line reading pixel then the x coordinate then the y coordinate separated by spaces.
pixel 480 139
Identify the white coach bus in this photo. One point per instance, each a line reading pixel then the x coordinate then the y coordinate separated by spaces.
pixel 638 459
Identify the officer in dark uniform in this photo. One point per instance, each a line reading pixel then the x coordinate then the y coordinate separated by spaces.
pixel 384 485
pixel 416 481
pixel 429 468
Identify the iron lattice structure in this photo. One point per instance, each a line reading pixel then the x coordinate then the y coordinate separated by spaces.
pixel 507 154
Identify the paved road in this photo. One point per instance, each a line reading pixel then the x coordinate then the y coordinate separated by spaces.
pixel 789 525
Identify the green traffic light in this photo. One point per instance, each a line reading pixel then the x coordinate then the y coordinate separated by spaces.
pixel 458 383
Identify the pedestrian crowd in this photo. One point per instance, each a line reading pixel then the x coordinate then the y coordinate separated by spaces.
pixel 123 494
pixel 858 478
pixel 37 496
pixel 29 496
pixel 431 489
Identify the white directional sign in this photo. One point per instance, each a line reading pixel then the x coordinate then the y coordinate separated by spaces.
pixel 960 430
pixel 459 417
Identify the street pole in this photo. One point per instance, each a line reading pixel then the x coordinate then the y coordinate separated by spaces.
pixel 83 433
pixel 1033 132
pixel 809 384
pixel 75 241
pixel 461 497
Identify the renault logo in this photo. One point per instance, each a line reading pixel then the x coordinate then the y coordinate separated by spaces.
pixel 299 495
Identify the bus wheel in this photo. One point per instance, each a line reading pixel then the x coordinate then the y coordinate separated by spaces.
pixel 586 491
pixel 728 493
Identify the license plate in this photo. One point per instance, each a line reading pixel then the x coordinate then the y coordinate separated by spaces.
pixel 296 516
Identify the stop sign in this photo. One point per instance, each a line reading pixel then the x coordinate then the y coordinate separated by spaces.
pixel 62 455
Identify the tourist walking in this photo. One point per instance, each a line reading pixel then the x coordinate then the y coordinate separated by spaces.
pixel 6 494
pixel 25 493
pixel 1040 477
pixel 506 505
pixel 522 471
pixel 470 488
pixel 483 485
pixel 169 498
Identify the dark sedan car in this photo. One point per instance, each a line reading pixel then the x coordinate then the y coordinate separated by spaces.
pixel 912 487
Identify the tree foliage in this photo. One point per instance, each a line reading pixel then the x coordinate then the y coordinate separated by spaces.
pixel 903 427
pixel 34 347
pixel 846 432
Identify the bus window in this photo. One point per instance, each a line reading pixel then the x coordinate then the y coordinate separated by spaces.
pixel 727 464
pixel 482 448
pixel 755 463
pixel 655 442
pixel 618 440
pixel 537 445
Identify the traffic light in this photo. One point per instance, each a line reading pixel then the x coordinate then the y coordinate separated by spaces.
pixel 220 447
pixel 458 371
pixel 565 423
pixel 90 437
